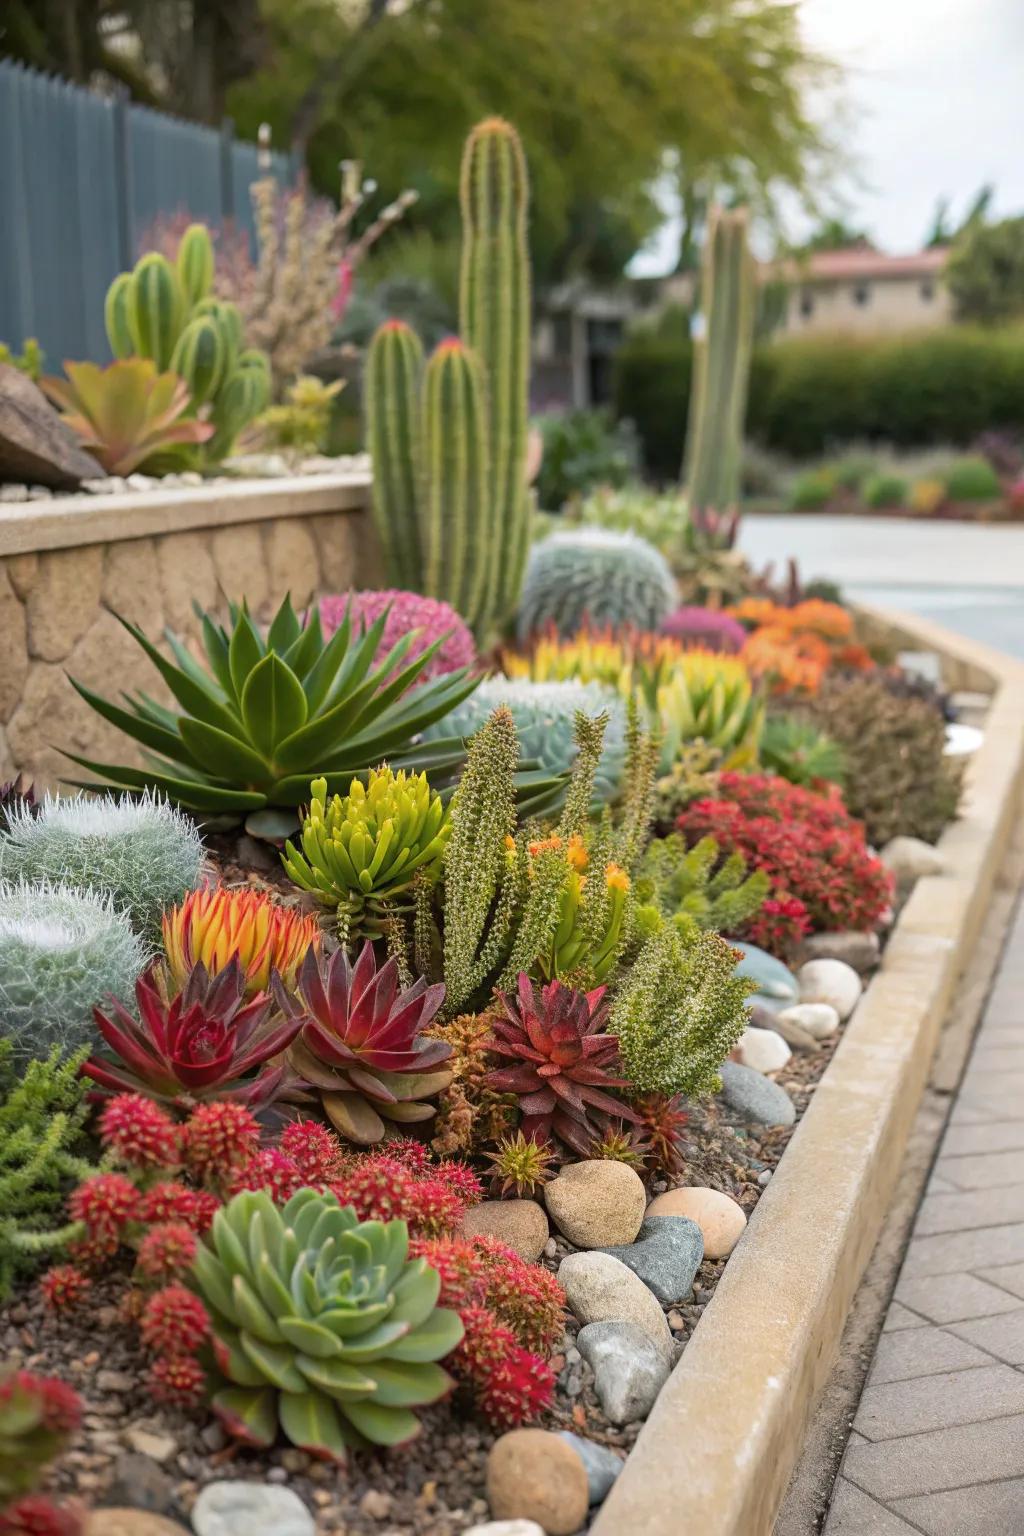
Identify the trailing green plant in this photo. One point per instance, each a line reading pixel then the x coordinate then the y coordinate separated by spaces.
pixel 884 490
pixel 362 851
pixel 972 480
pixel 450 493
pixel 591 577
pixel 127 415
pixel 42 1154
pixel 61 952
pixel 721 364
pixel 323 1328
pixel 678 1012
pixel 300 424
pixel 797 750
pixel 692 887
pixel 142 852
pixel 29 360
pixel 268 713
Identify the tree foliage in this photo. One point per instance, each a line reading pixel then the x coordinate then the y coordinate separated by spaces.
pixel 986 272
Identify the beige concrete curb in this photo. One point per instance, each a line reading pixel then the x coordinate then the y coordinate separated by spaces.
pixel 717 1452
pixel 68 522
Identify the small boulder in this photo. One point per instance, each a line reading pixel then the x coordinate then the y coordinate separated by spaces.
pixel 666 1254
pixel 36 446
pixel 861 950
pixel 145 1442
pixel 521 1224
pixel 755 1097
pixel 629 1371
pixel 797 1038
pixel 505 1528
pixel 141 1484
pixel 721 1219
pixel 833 982
pixel 599 1288
pixel 775 982
pixel 763 1049
pixel 597 1203
pixel 819 1020
pixel 533 1474
pixel 601 1463
pixel 911 859
pixel 230 1508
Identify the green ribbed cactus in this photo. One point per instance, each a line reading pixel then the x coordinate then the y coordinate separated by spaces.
pixel 115 315
pixel 394 365
pixel 450 492
pixel 721 366
pixel 156 309
pixel 194 263
pixel 199 357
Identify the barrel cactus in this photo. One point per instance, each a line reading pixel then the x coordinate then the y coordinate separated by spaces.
pixel 143 853
pixel 593 577
pixel 545 718
pixel 61 953
pixel 323 1327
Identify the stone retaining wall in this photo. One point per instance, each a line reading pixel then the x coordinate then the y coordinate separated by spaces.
pixel 66 568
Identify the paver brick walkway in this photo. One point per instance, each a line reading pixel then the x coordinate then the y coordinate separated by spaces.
pixel 938 1441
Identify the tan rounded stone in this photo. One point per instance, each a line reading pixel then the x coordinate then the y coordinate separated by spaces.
pixel 335 539
pixel 292 564
pixel 522 1224
pixel 597 1203
pixel 240 563
pixel 186 576
pixel 130 1522
pixel 533 1474
pixel 23 571
pixel 14 667
pixel 131 583
pixel 64 600
pixel 720 1218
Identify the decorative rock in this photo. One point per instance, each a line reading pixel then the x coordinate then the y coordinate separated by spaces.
pixel 830 981
pixel 755 1097
pixel 911 859
pixel 505 1528
pixel 601 1463
pixel 628 1371
pixel 140 1483
pixel 597 1204
pixel 599 1288
pixel 775 982
pixel 255 1509
pixel 861 950
pixel 798 1038
pixel 522 1224
pixel 533 1474
pixel 819 1020
pixel 763 1049
pixel 36 446
pixel 666 1254
pixel 131 1522
pixel 158 1448
pixel 721 1219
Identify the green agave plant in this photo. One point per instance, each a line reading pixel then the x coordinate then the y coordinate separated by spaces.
pixel 322 1325
pixel 268 713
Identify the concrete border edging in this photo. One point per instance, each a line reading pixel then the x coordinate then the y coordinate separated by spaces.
pixel 717 1452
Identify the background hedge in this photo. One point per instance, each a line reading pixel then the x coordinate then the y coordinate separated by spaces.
pixel 809 395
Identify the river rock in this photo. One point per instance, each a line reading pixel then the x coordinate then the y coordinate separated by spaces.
pixel 666 1254
pixel 533 1474
pixel 755 1096
pixel 601 1464
pixel 830 981
pixel 861 950
pixel 131 1522
pixel 763 1049
pixel 250 1509
pixel 140 1483
pixel 522 1224
pixel 629 1371
pixel 911 859
pixel 721 1219
pixel 36 447
pixel 797 1038
pixel 819 1020
pixel 597 1203
pixel 505 1528
pixel 599 1288
pixel 775 982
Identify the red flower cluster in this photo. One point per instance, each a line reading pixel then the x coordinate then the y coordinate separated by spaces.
pixel 35 1515
pixel 64 1286
pixel 166 1251
pixel 510 1384
pixel 808 843
pixel 174 1322
pixel 139 1133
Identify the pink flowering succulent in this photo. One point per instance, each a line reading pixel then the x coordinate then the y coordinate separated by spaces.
pixel 408 611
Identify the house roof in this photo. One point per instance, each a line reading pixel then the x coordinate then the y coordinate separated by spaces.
pixel 858 262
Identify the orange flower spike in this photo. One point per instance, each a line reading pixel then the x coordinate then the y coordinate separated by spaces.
pixel 615 878
pixel 213 925
pixel 576 855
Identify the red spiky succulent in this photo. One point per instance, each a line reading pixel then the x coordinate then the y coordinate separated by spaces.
pixel 565 1062
pixel 219 1139
pixel 525 1297
pixel 315 1151
pixel 172 1202
pixel 178 1380
pixel 209 1042
pixel 64 1286
pixel 174 1322
pixel 663 1120
pixel 361 1047
pixel 105 1204
pixel 166 1251
pixel 272 1170
pixel 36 1515
pixel 511 1384
pixel 138 1132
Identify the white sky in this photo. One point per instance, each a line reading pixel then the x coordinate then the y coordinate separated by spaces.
pixel 934 97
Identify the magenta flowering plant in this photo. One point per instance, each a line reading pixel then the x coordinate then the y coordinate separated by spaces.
pixel 407 611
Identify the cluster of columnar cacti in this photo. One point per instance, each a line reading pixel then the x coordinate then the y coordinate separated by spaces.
pixel 449 439
pixel 167 313
pixel 721 365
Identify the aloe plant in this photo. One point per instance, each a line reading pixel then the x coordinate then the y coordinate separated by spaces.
pixel 127 413
pixel 268 713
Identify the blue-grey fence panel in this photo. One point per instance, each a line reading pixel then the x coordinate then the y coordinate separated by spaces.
pixel 175 167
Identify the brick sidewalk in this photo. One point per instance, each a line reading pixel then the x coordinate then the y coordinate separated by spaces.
pixel 938 1441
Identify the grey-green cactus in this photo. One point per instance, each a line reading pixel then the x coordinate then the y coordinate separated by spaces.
pixel 394 365
pixel 454 517
pixel 721 366
pixel 593 577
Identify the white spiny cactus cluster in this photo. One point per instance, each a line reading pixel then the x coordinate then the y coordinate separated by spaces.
pixel 61 952
pixel 142 852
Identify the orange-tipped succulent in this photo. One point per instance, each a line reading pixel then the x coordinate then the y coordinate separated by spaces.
pixel 211 926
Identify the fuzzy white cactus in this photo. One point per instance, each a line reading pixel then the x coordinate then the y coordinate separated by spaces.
pixel 143 853
pixel 61 952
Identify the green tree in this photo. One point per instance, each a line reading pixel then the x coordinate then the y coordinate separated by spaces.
pixel 986 272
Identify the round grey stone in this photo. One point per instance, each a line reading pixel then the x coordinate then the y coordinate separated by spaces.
pixel 602 1464
pixel 665 1256
pixel 861 950
pixel 629 1371
pixel 755 1097
pixel 255 1509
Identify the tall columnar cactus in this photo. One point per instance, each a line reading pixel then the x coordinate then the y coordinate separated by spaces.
pixel 450 487
pixel 394 366
pixel 721 366
pixel 494 316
